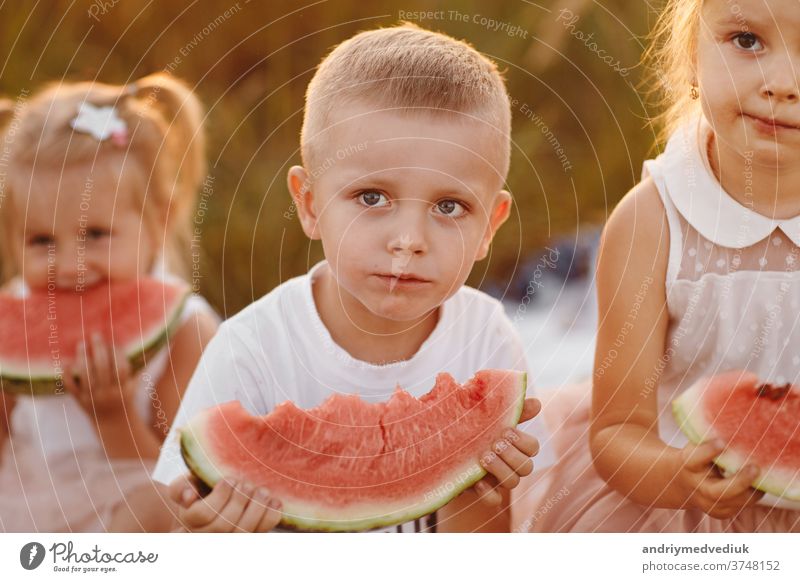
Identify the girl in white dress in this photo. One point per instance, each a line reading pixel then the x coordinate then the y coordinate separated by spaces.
pixel 100 184
pixel 698 274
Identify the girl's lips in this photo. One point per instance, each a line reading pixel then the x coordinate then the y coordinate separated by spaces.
pixel 769 125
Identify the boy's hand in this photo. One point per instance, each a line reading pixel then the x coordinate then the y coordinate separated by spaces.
pixel 704 487
pixel 510 458
pixel 101 382
pixel 230 507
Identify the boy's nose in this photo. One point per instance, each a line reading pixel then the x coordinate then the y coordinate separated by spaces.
pixel 408 242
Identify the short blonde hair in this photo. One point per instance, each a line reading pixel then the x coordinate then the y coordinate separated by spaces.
pixel 671 57
pixel 166 142
pixel 407 68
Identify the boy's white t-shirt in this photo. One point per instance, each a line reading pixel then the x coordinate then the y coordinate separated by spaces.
pixel 278 349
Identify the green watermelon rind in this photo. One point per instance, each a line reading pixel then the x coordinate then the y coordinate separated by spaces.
pixel 687 411
pixel 49 385
pixel 209 474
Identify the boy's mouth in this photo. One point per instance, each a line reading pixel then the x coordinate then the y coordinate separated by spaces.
pixel 402 280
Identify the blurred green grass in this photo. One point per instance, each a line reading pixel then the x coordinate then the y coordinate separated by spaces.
pixel 251 66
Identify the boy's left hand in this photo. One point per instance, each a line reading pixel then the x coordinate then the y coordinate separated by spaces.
pixel 510 458
pixel 100 381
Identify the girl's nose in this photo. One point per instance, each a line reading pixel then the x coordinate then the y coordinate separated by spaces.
pixel 67 264
pixel 781 81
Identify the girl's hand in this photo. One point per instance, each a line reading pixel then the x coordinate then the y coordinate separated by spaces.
pixel 704 487
pixel 101 381
pixel 7 404
pixel 230 507
pixel 510 458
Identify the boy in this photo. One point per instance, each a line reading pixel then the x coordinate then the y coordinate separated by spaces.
pixel 405 148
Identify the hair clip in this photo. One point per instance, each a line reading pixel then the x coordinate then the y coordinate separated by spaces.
pixel 101 123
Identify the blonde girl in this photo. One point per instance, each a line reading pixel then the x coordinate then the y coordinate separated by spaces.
pixel 698 274
pixel 99 184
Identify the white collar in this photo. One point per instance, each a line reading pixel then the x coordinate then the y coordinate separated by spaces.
pixel 700 198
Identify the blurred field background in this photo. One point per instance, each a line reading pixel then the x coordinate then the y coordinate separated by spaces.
pixel 250 63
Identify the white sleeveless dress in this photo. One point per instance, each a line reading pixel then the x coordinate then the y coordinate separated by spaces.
pixel 733 293
pixel 54 473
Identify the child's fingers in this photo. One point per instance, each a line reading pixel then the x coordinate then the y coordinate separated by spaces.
pixel 749 497
pixel 70 385
pixel 184 490
pixel 487 491
pixel 100 363
pixel 520 463
pixel 7 404
pixel 530 408
pixel 253 512
pixel 698 457
pixel 731 507
pixel 256 511
pixel 271 518
pixel 231 512
pixel 80 373
pixel 203 512
pixel 7 400
pixel 527 443
pixel 731 487
pixel 122 367
pixel 496 466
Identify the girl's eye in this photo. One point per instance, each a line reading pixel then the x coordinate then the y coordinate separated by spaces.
pixel 747 41
pixel 450 208
pixel 373 199
pixel 96 233
pixel 41 240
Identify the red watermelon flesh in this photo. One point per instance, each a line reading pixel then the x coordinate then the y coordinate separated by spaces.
pixel 759 422
pixel 41 331
pixel 348 465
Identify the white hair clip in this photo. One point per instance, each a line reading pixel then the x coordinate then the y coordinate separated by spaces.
pixel 101 123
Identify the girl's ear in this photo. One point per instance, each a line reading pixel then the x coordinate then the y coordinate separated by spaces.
pixel 500 211
pixel 303 198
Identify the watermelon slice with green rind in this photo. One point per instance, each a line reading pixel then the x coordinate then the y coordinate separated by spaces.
pixel 348 465
pixel 758 422
pixel 41 330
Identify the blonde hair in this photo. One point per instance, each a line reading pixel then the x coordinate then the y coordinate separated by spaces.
pixel 408 68
pixel 671 57
pixel 165 140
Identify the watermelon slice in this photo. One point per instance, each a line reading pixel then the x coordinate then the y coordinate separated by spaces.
pixel 41 331
pixel 348 465
pixel 759 423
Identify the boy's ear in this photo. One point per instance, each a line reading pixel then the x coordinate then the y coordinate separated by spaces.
pixel 500 211
pixel 303 197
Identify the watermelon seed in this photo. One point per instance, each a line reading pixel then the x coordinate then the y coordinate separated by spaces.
pixel 773 392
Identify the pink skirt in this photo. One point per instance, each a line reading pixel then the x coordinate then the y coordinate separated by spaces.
pixel 72 492
pixel 570 496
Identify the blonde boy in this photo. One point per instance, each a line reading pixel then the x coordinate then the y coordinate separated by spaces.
pixel 405 148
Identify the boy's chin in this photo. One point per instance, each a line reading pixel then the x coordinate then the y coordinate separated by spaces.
pixel 401 309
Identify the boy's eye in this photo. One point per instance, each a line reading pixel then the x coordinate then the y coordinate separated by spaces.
pixel 373 199
pixel 41 240
pixel 450 208
pixel 747 41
